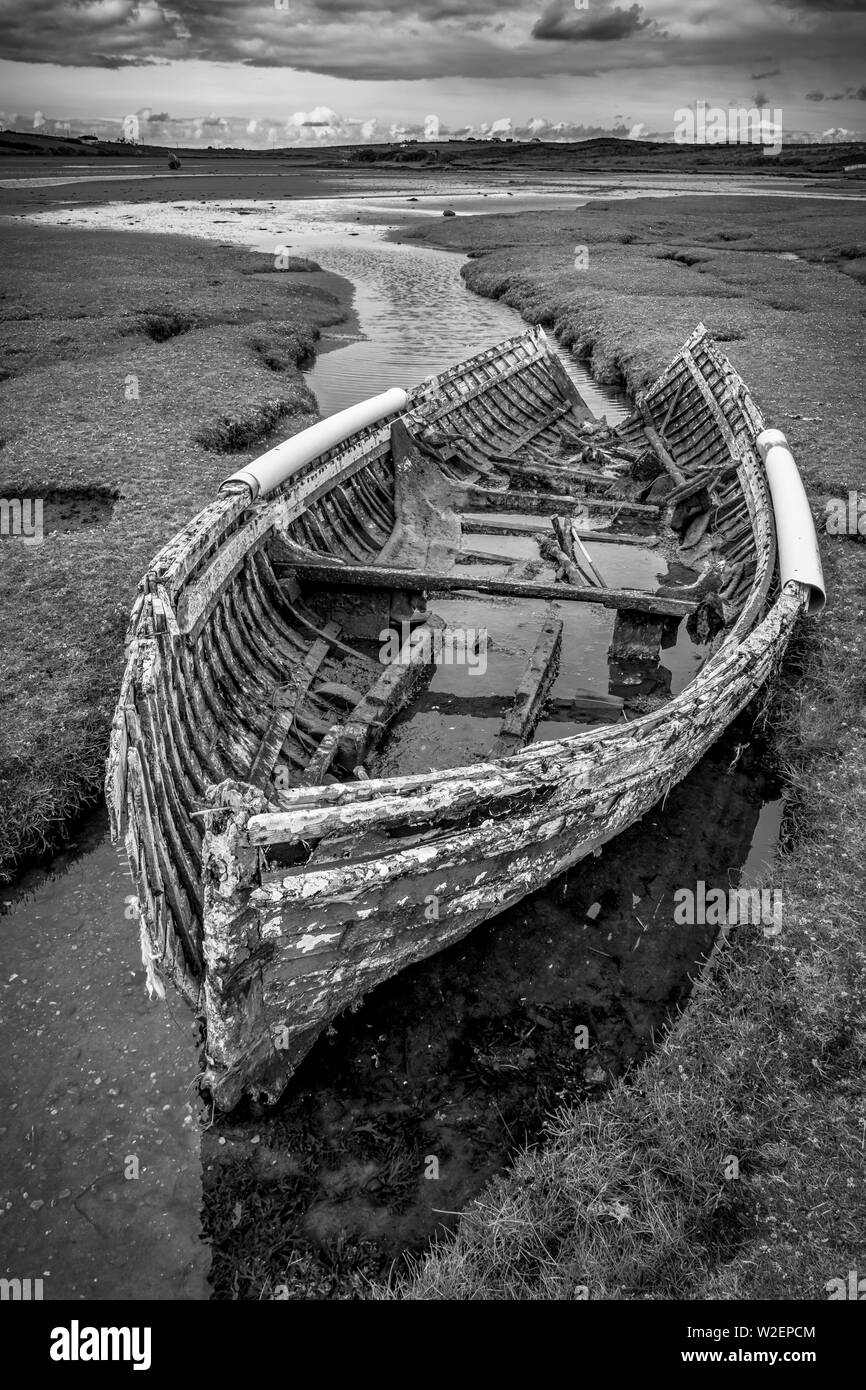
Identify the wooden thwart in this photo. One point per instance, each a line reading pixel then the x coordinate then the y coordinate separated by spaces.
pixel 505 524
pixel 519 723
pixel 372 576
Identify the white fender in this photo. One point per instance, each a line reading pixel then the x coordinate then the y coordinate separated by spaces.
pixel 279 464
pixel 799 557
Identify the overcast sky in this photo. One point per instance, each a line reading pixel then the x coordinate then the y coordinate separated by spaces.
pixel 229 71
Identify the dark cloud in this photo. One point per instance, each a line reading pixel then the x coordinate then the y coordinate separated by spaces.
pixel 826 6
pixel 601 24
pixel 814 96
pixel 409 40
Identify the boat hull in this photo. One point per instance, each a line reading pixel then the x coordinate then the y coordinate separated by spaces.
pixel 275 907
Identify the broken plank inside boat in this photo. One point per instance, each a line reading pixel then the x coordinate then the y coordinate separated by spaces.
pixel 421 658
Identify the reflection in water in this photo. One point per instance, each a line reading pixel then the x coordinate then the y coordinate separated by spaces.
pixel 398 290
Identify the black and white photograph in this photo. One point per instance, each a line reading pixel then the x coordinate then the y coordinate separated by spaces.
pixel 432 703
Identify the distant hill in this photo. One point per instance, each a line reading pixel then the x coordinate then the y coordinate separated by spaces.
pixel 603 155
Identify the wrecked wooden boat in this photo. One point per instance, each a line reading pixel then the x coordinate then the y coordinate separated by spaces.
pixel 293 837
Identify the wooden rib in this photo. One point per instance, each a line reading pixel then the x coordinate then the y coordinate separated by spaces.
pixel 142 858
pixel 373 505
pixel 538 428
pixel 251 685
pixel 317 530
pixel 240 728
pixel 201 722
pixel 288 646
pixel 254 650
pixel 272 602
pixel 519 723
pixel 159 723
pixel 169 698
pixel 365 518
pixel 712 401
pixel 160 870
pixel 281 721
pixel 346 540
pixel 181 868
pixel 672 407
pixel 353 522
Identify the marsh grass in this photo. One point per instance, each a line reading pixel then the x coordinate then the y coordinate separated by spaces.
pixel 128 347
pixel 627 1197
pixel 240 430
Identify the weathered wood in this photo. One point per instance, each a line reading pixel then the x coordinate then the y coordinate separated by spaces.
pixel 549 504
pixel 579 545
pixel 636 637
pixel 537 428
pixel 501 523
pixel 569 478
pixel 519 723
pixel 660 448
pixel 372 576
pixel 353 739
pixel 290 699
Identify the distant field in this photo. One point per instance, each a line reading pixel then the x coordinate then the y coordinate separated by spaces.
pixel 614 155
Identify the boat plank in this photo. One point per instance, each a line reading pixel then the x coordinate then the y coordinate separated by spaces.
pixel 519 723
pixel 358 735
